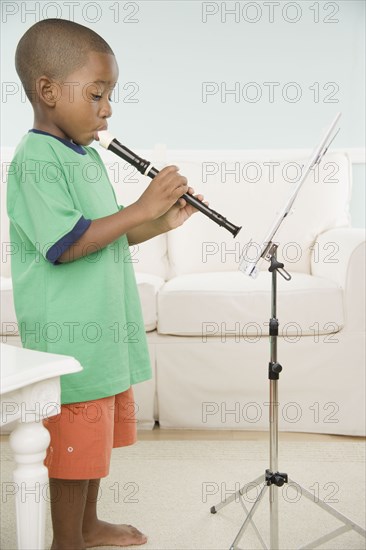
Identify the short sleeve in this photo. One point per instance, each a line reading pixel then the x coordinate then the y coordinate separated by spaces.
pixel 44 209
pixel 67 240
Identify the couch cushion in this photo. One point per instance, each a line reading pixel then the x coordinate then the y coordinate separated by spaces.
pixel 148 287
pixel 211 304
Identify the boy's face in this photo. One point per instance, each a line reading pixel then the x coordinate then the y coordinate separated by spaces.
pixel 84 102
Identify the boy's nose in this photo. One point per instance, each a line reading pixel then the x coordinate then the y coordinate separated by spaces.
pixel 106 110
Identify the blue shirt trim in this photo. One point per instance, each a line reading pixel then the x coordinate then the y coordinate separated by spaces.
pixel 67 240
pixel 74 146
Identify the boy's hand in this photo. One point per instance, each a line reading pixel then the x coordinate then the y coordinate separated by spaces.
pixel 179 213
pixel 163 192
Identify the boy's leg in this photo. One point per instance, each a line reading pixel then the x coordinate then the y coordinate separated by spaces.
pixel 68 498
pixel 100 533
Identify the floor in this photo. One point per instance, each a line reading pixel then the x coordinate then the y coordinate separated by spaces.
pixel 158 434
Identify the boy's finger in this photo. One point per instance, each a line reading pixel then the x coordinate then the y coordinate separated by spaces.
pixel 179 191
pixel 168 170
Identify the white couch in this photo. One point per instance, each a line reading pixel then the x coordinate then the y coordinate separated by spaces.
pixel 207 323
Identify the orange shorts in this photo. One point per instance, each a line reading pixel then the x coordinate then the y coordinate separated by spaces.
pixel 83 435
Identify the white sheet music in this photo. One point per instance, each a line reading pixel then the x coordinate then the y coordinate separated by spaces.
pixel 250 266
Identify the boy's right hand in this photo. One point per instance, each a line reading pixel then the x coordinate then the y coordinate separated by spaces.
pixel 164 191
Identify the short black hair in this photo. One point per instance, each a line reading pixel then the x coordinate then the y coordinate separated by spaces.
pixel 55 48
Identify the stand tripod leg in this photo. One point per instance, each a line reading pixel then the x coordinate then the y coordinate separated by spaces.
pixel 238 494
pixel 260 538
pixel 247 487
pixel 325 538
pixel 249 519
pixel 348 523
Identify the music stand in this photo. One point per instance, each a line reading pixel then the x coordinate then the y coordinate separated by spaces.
pixel 272 477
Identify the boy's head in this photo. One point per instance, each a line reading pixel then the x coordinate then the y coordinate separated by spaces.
pixel 68 72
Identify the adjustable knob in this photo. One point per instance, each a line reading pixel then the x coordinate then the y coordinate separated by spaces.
pixel 278 479
pixel 276 367
pixel 274 370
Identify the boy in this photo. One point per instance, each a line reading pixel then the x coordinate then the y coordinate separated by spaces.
pixel 73 283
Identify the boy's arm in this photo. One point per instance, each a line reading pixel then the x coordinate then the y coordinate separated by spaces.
pixel 146 231
pixel 102 232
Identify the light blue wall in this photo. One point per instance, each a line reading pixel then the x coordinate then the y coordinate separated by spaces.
pixel 168 50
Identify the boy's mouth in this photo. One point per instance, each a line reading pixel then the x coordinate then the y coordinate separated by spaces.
pixel 96 137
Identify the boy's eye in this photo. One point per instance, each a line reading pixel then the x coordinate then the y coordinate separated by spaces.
pixel 100 97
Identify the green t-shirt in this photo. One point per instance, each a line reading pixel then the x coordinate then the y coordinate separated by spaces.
pixel 88 308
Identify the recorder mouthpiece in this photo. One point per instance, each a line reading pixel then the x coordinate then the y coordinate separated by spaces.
pixel 105 138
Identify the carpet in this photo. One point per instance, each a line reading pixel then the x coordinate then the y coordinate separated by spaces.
pixel 166 489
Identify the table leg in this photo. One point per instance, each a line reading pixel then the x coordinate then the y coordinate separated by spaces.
pixel 29 442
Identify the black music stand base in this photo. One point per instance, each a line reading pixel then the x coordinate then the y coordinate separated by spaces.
pixel 272 477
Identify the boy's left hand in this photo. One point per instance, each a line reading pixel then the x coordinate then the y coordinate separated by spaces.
pixel 179 212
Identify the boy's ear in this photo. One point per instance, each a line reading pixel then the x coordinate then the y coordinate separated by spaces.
pixel 48 91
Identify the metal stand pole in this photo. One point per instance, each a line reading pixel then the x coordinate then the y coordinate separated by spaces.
pixel 273 478
pixel 273 414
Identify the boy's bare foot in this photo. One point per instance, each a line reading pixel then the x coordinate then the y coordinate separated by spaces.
pixel 108 534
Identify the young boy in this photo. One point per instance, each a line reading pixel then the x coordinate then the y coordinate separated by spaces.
pixel 74 288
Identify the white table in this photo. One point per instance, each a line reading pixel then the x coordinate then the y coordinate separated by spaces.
pixel 30 391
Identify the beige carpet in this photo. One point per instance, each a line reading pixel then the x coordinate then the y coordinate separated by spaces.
pixel 166 489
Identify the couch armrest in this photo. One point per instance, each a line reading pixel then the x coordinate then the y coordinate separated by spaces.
pixel 339 255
